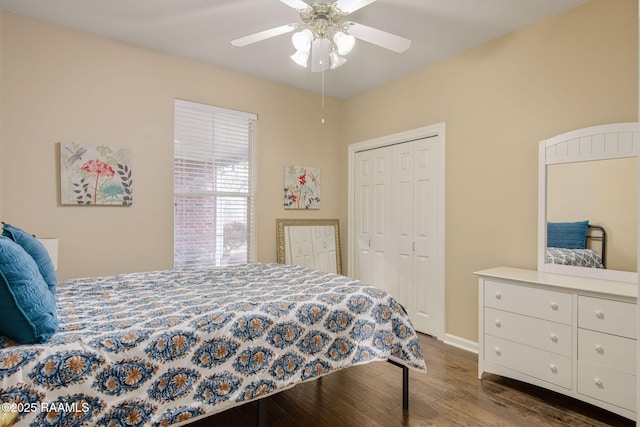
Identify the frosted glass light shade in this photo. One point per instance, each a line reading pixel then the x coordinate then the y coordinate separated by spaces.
pixel 300 58
pixel 302 40
pixel 320 55
pixel 336 59
pixel 344 42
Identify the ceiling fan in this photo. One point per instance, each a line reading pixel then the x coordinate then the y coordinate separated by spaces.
pixel 326 35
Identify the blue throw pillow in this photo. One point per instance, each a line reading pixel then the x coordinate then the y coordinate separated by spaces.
pixel 37 251
pixel 27 308
pixel 569 235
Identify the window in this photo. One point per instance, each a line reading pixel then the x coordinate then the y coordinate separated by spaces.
pixel 213 186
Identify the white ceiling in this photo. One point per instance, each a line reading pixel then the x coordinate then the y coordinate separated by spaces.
pixel 202 30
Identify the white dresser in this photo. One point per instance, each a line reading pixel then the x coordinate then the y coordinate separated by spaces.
pixel 572 335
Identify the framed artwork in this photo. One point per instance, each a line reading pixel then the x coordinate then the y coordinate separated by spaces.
pixel 95 175
pixel 301 187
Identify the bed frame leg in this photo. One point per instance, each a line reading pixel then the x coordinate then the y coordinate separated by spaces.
pixel 262 413
pixel 405 387
pixel 405 383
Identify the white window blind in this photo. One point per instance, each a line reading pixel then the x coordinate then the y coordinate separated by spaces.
pixel 213 185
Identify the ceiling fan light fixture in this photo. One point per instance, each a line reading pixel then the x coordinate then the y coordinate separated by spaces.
pixel 302 40
pixel 344 42
pixel 324 37
pixel 301 58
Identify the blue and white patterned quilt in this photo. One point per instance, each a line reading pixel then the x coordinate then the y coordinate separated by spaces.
pixel 162 347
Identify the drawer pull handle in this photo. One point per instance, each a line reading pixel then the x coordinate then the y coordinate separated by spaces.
pixel 498 323
pixel 597 381
pixel 498 351
pixel 553 306
pixel 599 314
pixel 553 368
pixel 498 295
pixel 599 348
pixel 553 337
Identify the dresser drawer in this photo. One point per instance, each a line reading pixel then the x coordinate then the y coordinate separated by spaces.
pixel 542 334
pixel 608 385
pixel 603 315
pixel 544 365
pixel 540 303
pixel 607 350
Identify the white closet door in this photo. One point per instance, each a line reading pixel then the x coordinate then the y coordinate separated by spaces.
pixel 400 269
pixel 426 310
pixel 396 221
pixel 411 274
pixel 372 213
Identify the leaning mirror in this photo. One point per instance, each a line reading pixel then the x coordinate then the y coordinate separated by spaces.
pixel 313 243
pixel 587 219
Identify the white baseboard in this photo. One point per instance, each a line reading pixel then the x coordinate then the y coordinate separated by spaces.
pixel 461 343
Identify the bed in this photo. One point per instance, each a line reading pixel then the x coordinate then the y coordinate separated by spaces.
pixel 576 243
pixel 165 347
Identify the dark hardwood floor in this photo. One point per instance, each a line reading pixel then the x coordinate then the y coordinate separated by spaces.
pixel 449 394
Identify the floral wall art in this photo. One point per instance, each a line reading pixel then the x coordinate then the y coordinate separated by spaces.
pixel 95 175
pixel 301 187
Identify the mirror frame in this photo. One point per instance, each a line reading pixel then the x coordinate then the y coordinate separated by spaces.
pixel 281 223
pixel 612 141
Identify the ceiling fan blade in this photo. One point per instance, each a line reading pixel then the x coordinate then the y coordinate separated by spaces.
pixel 348 6
pixel 262 35
pixel 378 37
pixel 296 4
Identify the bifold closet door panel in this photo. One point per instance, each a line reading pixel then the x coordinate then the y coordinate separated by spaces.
pixel 372 215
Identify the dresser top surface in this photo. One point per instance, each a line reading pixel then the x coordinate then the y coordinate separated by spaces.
pixel 607 287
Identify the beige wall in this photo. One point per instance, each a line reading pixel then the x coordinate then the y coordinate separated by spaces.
pixel 498 100
pixel 64 85
pixel 577 69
